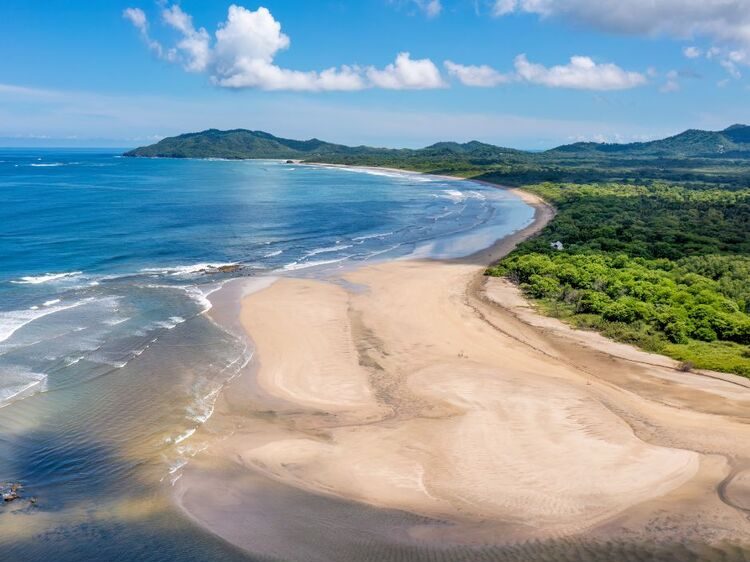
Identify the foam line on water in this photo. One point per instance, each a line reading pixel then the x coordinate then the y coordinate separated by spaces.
pixel 369 236
pixel 190 269
pixel 304 265
pixel 13 320
pixel 327 249
pixel 20 384
pixel 45 278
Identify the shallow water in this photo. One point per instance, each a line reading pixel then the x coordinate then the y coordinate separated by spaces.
pixel 282 523
pixel 109 364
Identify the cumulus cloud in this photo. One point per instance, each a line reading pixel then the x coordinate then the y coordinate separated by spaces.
pixel 725 23
pixel 478 76
pixel 194 47
pixel 243 55
pixel 580 73
pixel 692 52
pixel 244 48
pixel 407 74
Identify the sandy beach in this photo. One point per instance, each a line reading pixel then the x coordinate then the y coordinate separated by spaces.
pixel 414 406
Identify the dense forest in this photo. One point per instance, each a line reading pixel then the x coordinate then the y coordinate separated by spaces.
pixel 662 266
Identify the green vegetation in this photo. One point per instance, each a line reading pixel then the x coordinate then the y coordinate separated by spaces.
pixel 664 267
pixel 656 235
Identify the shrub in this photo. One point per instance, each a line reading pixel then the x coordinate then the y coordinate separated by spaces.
pixel 704 333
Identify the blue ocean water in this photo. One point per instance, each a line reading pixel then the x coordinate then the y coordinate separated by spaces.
pixel 108 364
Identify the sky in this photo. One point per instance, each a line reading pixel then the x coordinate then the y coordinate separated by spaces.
pixel 527 74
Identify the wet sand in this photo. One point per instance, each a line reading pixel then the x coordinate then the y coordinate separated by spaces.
pixel 415 410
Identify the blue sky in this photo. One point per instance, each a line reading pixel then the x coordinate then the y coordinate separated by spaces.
pixel 379 72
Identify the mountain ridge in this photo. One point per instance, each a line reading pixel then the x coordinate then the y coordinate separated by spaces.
pixel 732 142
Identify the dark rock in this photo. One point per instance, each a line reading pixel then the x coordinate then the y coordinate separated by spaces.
pixel 222 269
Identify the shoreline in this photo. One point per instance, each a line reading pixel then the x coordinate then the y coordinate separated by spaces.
pixel 370 396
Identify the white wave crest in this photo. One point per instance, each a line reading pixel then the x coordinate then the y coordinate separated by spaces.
pixel 304 265
pixel 13 320
pixel 188 269
pixel 18 384
pixel 376 235
pixel 459 196
pixel 44 278
pixel 327 250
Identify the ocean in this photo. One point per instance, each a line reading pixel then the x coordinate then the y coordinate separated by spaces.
pixel 109 363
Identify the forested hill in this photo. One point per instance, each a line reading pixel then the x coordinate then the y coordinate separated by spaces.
pixel 733 142
pixel 241 143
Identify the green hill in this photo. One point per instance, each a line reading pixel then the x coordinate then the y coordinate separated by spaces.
pixel 237 143
pixel 733 142
pixel 242 143
pixel 695 157
pixel 693 143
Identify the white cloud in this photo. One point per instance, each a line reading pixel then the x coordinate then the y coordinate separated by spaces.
pixel 137 17
pixel 255 73
pixel 407 74
pixel 478 76
pixel 503 7
pixel 725 23
pixel 249 35
pixel 246 44
pixel 731 67
pixel 581 73
pixel 726 20
pixel 195 43
pixel 672 84
pixel 431 8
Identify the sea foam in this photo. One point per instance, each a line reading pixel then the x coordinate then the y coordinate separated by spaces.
pixel 19 383
pixel 190 269
pixel 13 320
pixel 44 278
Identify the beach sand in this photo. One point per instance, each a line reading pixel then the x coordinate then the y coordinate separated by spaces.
pixel 416 409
